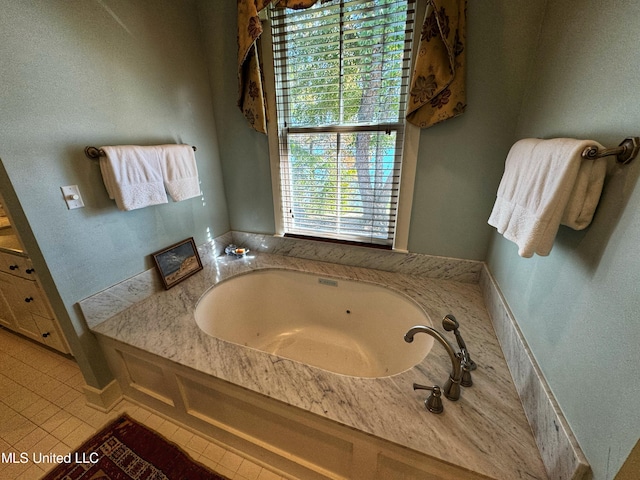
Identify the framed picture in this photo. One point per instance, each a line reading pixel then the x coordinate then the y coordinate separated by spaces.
pixel 177 262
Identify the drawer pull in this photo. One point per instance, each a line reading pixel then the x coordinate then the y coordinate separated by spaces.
pixel 45 335
pixel 13 267
pixel 28 299
pixel 30 270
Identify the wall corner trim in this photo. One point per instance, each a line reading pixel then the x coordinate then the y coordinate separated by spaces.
pixel 103 399
pixel 559 449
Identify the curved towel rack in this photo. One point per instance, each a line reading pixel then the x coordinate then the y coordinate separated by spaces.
pixel 95 153
pixel 625 152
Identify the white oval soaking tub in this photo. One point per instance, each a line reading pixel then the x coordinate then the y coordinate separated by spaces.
pixel 343 326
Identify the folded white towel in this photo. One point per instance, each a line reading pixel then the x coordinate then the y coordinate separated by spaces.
pixel 132 176
pixel 546 183
pixel 585 196
pixel 179 170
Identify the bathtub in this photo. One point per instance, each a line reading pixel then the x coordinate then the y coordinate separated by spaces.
pixel 342 326
pixel 237 378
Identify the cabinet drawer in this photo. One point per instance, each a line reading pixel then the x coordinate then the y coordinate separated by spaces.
pixel 17 265
pixel 33 298
pixel 25 309
pixel 50 334
pixel 28 327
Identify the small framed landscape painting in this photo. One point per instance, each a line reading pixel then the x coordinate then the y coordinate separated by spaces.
pixel 177 262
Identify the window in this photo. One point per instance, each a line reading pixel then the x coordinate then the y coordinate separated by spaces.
pixel 341 76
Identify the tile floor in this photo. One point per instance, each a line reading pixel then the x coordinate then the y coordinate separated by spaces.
pixel 42 410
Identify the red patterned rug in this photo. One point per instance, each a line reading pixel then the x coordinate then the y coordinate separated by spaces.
pixel 126 450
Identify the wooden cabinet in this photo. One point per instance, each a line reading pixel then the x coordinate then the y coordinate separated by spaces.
pixel 23 305
pixel 6 313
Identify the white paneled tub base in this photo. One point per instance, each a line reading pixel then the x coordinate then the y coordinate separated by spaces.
pixel 282 437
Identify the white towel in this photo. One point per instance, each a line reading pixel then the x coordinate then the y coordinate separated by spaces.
pixel 546 183
pixel 132 176
pixel 585 196
pixel 179 170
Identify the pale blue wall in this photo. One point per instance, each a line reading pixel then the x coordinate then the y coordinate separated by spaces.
pixel 78 73
pixel 579 308
pixel 244 153
pixel 460 160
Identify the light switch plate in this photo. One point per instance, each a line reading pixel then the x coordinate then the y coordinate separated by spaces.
pixel 71 194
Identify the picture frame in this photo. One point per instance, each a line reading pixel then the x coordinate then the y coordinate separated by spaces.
pixel 177 262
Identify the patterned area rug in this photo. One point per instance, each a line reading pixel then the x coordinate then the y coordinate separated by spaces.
pixel 126 450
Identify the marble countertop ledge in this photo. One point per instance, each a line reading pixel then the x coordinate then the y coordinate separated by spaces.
pixel 485 431
pixel 358 256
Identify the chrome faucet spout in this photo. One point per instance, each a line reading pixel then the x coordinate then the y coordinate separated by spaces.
pixel 452 387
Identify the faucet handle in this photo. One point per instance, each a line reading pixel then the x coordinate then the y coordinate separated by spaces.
pixel 466 373
pixel 434 402
pixel 449 323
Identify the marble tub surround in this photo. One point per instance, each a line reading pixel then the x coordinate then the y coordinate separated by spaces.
pixel 104 305
pixel 558 447
pixel 484 432
pixel 379 259
pixel 119 297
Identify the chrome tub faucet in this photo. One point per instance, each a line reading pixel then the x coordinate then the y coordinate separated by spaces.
pixel 461 362
pixel 452 386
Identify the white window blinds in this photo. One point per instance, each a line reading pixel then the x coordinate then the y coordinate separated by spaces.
pixel 342 74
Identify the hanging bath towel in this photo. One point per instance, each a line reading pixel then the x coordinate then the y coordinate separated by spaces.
pixel 179 171
pixel 132 176
pixel 546 183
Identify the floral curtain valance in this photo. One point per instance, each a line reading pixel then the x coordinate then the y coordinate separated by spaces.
pixel 438 83
pixel 250 94
pixel 251 99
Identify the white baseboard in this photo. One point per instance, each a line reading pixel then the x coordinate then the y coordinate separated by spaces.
pixel 103 399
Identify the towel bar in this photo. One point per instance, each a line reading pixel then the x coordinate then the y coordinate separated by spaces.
pixel 94 153
pixel 625 152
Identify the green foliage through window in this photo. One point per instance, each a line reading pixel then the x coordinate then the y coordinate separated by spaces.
pixel 341 73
